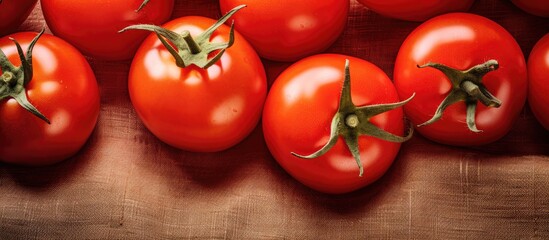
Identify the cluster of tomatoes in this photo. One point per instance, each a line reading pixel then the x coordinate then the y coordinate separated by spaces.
pixel 341 112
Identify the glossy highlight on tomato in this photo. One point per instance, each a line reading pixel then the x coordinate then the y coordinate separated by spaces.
pixel 92 26
pixel 287 30
pixel 413 10
pixel 538 81
pixel 13 13
pixel 299 111
pixel 63 88
pixel 196 109
pixel 461 41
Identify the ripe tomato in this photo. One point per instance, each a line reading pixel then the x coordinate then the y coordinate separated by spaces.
pixel 300 109
pixel 13 13
pixel 63 88
pixel 538 80
pixel 198 109
pixel 92 26
pixel 534 7
pixel 462 41
pixel 418 11
pixel 287 30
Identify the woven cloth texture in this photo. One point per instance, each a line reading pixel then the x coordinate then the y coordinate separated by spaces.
pixel 126 184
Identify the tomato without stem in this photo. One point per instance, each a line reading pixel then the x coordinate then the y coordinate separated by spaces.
pixel 534 7
pixel 198 109
pixel 92 26
pixel 461 41
pixel 538 81
pixel 13 13
pixel 413 10
pixel 63 88
pixel 287 30
pixel 300 109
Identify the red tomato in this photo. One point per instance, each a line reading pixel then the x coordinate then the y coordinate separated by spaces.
pixel 413 10
pixel 13 13
pixel 92 26
pixel 287 30
pixel 461 41
pixel 298 114
pixel 538 81
pixel 63 88
pixel 534 7
pixel 197 109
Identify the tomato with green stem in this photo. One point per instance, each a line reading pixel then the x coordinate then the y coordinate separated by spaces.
pixel 469 75
pixel 348 136
pixel 92 26
pixel 13 13
pixel 287 30
pixel 49 99
pixel 197 84
pixel 538 81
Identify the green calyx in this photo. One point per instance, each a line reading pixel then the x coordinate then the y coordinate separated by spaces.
pixel 189 50
pixel 15 79
pixel 351 121
pixel 466 86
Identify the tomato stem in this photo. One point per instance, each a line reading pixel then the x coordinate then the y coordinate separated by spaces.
pixel 351 121
pixel 14 79
pixel 191 43
pixel 199 47
pixel 9 78
pixel 466 86
pixel 475 91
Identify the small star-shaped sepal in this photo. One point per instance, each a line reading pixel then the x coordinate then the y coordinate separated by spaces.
pixel 466 86
pixel 15 79
pixel 189 50
pixel 351 121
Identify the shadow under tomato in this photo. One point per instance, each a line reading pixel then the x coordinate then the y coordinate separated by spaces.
pixel 526 137
pixel 350 205
pixel 221 169
pixel 44 178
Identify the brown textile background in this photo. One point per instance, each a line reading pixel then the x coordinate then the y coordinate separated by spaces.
pixel 126 184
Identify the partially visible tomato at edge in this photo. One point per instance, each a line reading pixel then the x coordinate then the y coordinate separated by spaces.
pixel 538 81
pixel 287 30
pixel 535 7
pixel 64 89
pixel 13 13
pixel 413 10
pixel 461 41
pixel 195 109
pixel 92 26
pixel 298 114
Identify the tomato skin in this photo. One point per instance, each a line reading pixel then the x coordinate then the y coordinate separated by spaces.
pixel 92 26
pixel 461 40
pixel 538 81
pixel 192 108
pixel 535 7
pixel 64 89
pixel 298 113
pixel 283 33
pixel 13 13
pixel 418 11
